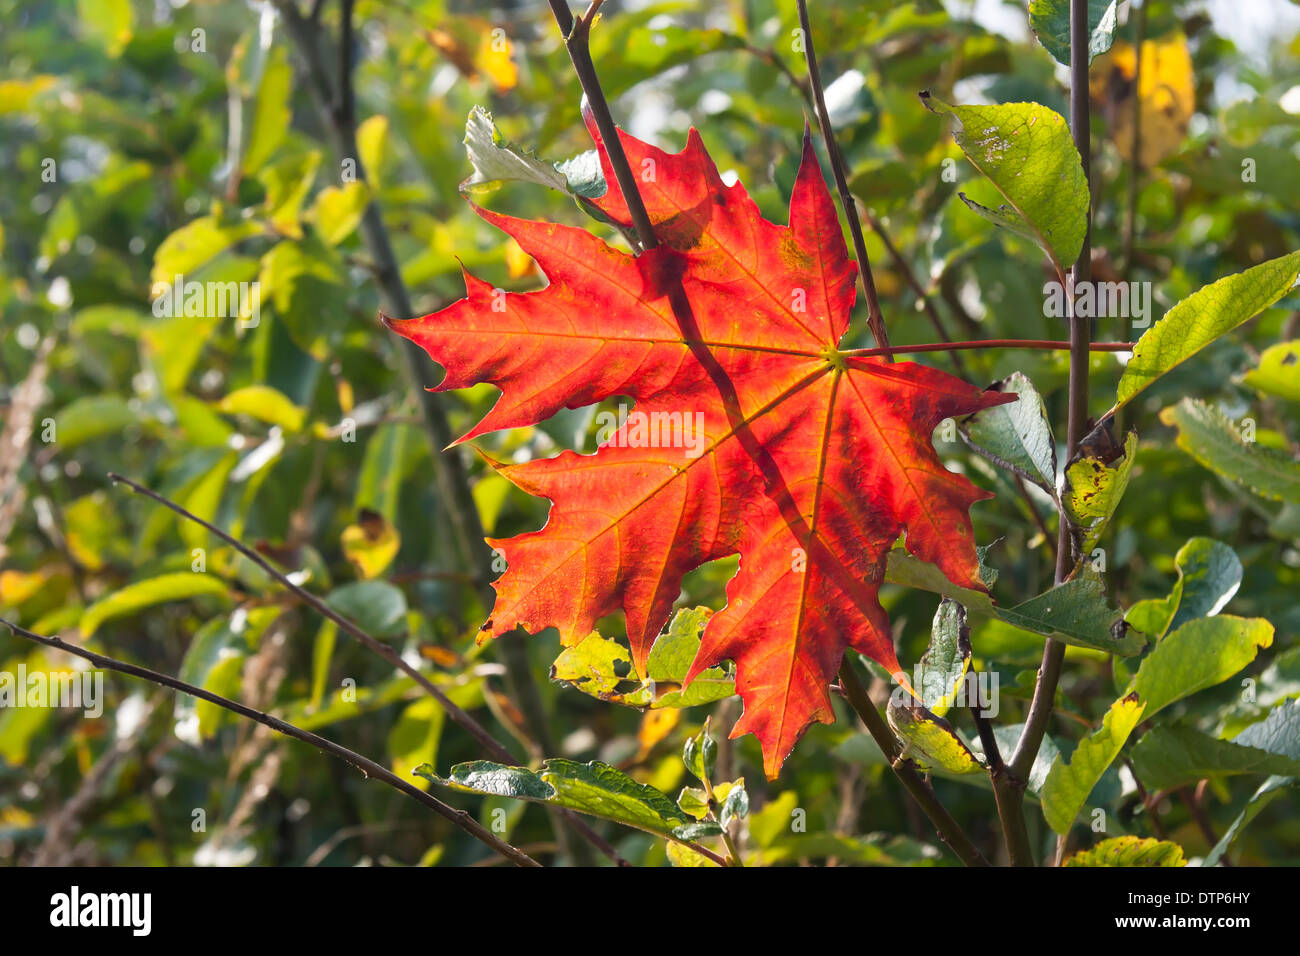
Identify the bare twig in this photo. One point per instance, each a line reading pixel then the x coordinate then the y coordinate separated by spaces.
pixel 1049 671
pixel 923 300
pixel 1194 801
pixel 367 766
pixel 476 730
pixel 949 830
pixel 875 320
pixel 576 33
pixel 459 716
pixel 979 345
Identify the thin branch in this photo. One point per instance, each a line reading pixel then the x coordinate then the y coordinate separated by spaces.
pixel 909 276
pixel 1045 345
pixel 575 41
pixel 367 766
pixel 476 730
pixel 875 320
pixel 1008 791
pixel 459 716
pixel 1049 672
pixel 949 830
pixel 450 477
pixel 1149 803
pixel 1037 515
pixel 992 753
pixel 1193 801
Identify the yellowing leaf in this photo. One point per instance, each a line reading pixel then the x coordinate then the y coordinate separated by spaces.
pixel 518 262
pixel 16 587
pixel 493 59
pixel 110 23
pixel 1279 371
pixel 338 211
pixel 1167 92
pixel 266 405
pixel 1130 851
pixel 1069 783
pixel 17 95
pixel 372 137
pixel 655 726
pixel 371 543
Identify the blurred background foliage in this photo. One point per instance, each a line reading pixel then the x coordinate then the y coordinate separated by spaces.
pixel 141 140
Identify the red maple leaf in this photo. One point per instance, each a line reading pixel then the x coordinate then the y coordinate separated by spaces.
pixel 751 434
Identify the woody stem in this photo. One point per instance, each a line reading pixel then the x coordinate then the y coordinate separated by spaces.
pixel 1049 672
pixel 875 320
pixel 949 830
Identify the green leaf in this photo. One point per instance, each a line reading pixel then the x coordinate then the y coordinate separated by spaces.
pixel 1017 436
pixel 930 741
pixel 372 148
pixel 174 345
pixel 203 500
pixel 413 741
pixel 303 281
pixel 911 572
pixel 271 114
pixel 1209 573
pixel 136 597
pixel 600 666
pixel 215 661
pixel 1169 757
pixel 1069 784
pixel 379 486
pixel 671 657
pixel 108 23
pixel 1129 851
pixel 497 161
pixel 684 856
pixel 1077 612
pixel 1050 21
pixel 1216 443
pixel 91 417
pixel 700 754
pixel 596 665
pixel 1200 654
pixel 639 44
pixel 377 607
pixel 941 671
pixel 266 404
pixel 1026 151
pixel 1278 372
pixel 875 849
pixel 1269 790
pixel 322 655
pixel 194 244
pixel 735 805
pixel 1096 477
pixel 593 788
pixel 694 802
pixel 1278 733
pixel 338 210
pixel 1202 317
pixel 287 184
